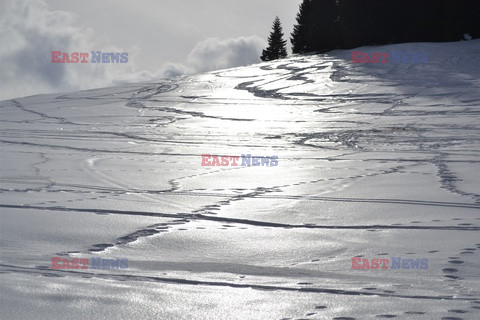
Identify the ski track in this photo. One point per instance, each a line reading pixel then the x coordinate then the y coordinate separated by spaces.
pixel 162 108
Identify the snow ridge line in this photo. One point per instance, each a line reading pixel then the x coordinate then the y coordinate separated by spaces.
pixel 180 281
pixel 242 221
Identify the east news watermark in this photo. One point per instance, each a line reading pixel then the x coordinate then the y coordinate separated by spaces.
pixel 92 57
pixel 395 56
pixel 59 263
pixel 395 263
pixel 245 160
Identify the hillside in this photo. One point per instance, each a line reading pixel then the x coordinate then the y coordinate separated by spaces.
pixel 375 161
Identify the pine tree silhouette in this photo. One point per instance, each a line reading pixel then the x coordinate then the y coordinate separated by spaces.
pixel 325 25
pixel 317 27
pixel 300 30
pixel 324 32
pixel 276 45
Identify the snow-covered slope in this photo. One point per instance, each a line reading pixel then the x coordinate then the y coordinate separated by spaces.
pixel 377 161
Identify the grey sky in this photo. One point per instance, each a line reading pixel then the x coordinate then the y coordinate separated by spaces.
pixel 167 30
pixel 163 38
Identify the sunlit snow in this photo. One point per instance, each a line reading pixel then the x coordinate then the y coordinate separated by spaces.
pixel 374 161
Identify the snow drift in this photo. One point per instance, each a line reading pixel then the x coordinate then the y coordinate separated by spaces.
pixel 375 161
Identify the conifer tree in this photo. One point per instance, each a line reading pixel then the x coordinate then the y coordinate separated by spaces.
pixel 324 32
pixel 317 27
pixel 276 45
pixel 300 30
pixel 325 25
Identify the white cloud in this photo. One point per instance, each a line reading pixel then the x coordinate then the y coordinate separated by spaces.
pixel 29 31
pixel 214 54
pixel 170 70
